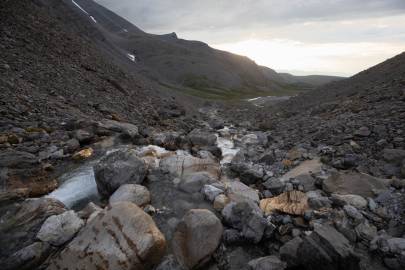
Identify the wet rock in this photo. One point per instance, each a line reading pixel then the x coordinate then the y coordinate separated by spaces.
pixel 267 263
pixel 363 132
pixel 294 203
pixel 237 191
pixel 354 200
pixel 27 258
pixel 194 182
pixel 83 136
pixel 16 159
pixel 246 217
pixel 210 192
pixel 288 252
pixel 120 237
pixel 26 217
pixel 200 137
pixel 136 194
pixel 59 229
pixel 327 247
pixel 118 168
pixel 183 164
pixel 354 183
pixel 196 237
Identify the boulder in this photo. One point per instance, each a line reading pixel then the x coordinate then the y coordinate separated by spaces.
pixel 196 237
pixel 210 192
pixel 16 159
pixel 289 252
pixel 183 164
pixel 354 183
pixel 274 185
pixel 120 237
pixel 317 200
pixel 83 136
pixel 119 168
pixel 126 129
pixel 20 222
pixel 133 193
pixel 307 167
pixel 267 263
pixel 246 217
pixel 168 140
pixel 248 173
pixel 292 202
pixel 194 182
pixel 238 191
pixel 59 229
pixel 354 200
pixel 29 257
pixel 328 248
pixel 200 137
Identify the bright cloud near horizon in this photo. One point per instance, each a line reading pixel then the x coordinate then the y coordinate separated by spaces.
pixel 332 37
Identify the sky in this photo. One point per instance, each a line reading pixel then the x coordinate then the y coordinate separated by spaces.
pixel 330 37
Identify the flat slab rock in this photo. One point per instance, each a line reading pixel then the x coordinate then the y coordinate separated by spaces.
pixel 354 183
pixel 122 237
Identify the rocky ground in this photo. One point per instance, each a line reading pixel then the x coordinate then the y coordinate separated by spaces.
pixel 121 176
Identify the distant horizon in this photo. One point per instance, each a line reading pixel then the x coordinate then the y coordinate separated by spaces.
pixel 335 37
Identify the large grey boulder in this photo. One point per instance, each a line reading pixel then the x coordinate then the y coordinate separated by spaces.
pixel 238 191
pixel 328 248
pixel 354 183
pixel 121 237
pixel 248 173
pixel 195 182
pixel 267 263
pixel 20 223
pixel 136 194
pixel 200 137
pixel 59 229
pixel 246 217
pixel 196 237
pixel 119 168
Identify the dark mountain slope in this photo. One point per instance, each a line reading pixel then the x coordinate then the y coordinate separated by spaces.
pixel 190 66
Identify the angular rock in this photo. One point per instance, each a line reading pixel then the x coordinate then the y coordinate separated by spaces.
pixel 120 237
pixel 274 185
pixel 239 191
pixel 20 223
pixel 59 229
pixel 365 231
pixel 196 237
pixel 288 252
pixel 199 137
pixel 246 217
pixel 267 263
pixel 248 173
pixel 220 202
pixel 118 168
pixel 183 164
pixel 328 248
pixel 72 145
pixel 305 168
pixel 316 200
pixel 354 183
pixel 354 200
pixel 195 182
pixel 83 136
pixel 127 129
pixel 293 202
pixel 210 192
pixel 136 194
pixel 353 212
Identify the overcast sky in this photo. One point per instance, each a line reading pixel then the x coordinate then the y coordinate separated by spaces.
pixel 340 37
